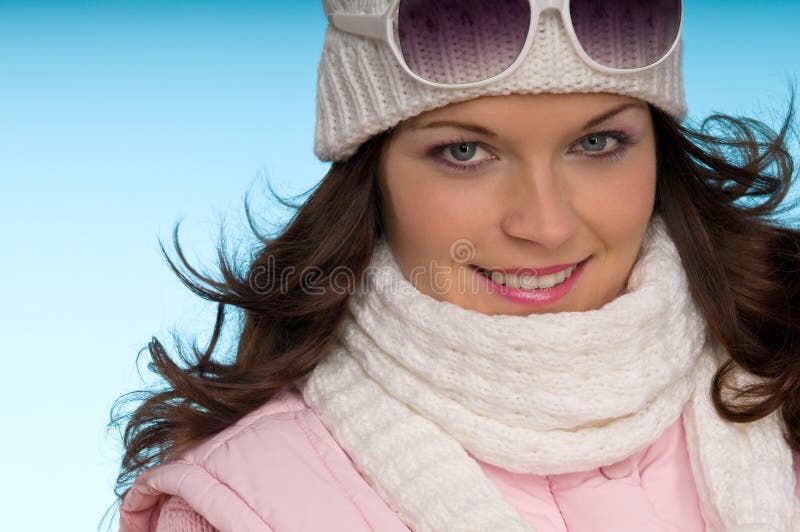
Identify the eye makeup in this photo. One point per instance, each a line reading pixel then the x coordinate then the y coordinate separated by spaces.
pixel 437 153
pixel 623 140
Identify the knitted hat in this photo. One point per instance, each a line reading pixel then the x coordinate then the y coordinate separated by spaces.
pixel 363 90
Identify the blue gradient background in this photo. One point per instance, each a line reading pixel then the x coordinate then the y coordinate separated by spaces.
pixel 119 118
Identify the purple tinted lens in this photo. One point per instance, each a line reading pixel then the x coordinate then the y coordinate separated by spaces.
pixel 626 33
pixel 461 41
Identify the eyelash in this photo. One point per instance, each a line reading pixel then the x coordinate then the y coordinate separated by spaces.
pixel 621 137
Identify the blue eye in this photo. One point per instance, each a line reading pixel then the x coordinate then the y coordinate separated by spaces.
pixel 596 143
pixel 464 151
pixel 456 155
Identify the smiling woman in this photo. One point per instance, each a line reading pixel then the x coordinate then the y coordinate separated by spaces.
pixel 533 187
pixel 524 297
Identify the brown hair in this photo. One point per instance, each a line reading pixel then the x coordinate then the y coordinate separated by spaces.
pixel 717 193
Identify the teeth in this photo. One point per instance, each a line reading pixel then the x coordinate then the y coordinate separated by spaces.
pixel 530 282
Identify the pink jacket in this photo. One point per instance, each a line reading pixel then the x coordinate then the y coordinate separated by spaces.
pixel 279 469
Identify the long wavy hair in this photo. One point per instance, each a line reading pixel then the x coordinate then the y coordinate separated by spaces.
pixel 720 187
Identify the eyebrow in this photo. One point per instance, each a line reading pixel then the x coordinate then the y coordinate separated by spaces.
pixel 615 111
pixel 489 133
pixel 460 125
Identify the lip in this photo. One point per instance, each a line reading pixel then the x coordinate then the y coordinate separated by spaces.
pixel 528 270
pixel 533 298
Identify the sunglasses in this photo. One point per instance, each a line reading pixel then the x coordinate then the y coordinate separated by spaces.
pixel 467 43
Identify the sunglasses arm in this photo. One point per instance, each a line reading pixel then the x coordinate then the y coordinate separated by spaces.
pixel 373 26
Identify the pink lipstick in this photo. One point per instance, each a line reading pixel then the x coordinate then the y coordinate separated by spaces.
pixel 533 297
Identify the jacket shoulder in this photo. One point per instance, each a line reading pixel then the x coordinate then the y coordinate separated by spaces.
pixel 277 468
pixel 271 424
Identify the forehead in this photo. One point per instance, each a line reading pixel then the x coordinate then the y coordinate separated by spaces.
pixel 546 104
pixel 531 117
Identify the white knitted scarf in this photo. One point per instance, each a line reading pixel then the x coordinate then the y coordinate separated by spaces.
pixel 414 384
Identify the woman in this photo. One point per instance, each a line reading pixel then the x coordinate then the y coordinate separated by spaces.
pixel 523 298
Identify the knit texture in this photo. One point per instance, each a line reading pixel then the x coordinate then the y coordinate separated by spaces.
pixel 413 384
pixel 362 89
pixel 177 516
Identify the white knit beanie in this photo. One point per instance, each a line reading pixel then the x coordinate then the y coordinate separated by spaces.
pixel 362 90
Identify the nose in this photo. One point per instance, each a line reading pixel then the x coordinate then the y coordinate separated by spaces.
pixel 539 208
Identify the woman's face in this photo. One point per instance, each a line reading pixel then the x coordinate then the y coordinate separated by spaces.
pixel 526 183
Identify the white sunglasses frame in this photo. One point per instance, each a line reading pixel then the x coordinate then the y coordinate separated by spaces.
pixel 382 27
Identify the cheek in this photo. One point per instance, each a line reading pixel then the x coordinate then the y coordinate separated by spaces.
pixel 623 202
pixel 616 205
pixel 437 211
pixel 621 199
